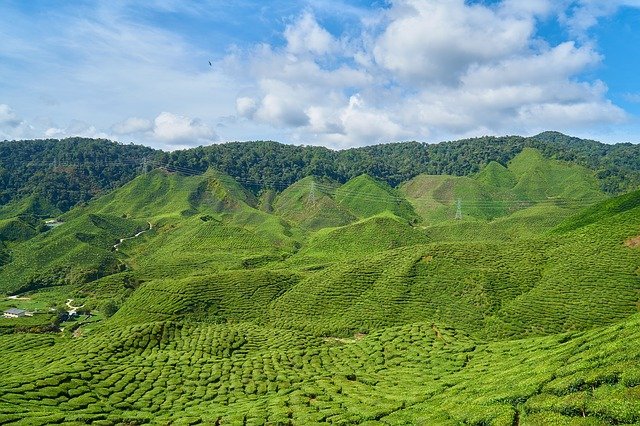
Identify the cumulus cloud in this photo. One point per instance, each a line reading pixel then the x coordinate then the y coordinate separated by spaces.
pixel 167 129
pixel 416 69
pixel 436 40
pixel 246 107
pixel 581 15
pixel 430 68
pixel 306 36
pixel 8 117
pixel 177 129
pixel 75 128
pixel 132 125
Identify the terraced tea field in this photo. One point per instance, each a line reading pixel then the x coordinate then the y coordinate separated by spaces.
pixel 326 303
pixel 423 373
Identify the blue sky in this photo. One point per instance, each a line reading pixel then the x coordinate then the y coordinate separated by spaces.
pixel 333 73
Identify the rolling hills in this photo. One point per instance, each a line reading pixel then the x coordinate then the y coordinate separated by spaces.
pixel 327 300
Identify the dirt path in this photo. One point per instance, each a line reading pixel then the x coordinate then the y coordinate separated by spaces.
pixel 117 245
pixel 18 298
pixel 72 309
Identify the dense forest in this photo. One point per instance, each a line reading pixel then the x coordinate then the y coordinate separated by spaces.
pixel 271 164
pixel 63 173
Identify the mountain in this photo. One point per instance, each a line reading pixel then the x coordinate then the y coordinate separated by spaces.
pixel 364 197
pixel 63 173
pixel 497 191
pixel 310 204
pixel 489 281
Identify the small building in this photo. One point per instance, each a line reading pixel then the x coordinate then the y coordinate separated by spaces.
pixel 14 313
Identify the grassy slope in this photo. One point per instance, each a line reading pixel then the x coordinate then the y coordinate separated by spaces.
pixel 230 324
pixel 423 373
pixel 364 197
pixel 78 251
pixel 361 239
pixel 309 203
pixel 199 224
pixel 498 191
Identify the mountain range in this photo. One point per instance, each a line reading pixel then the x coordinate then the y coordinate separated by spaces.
pixel 483 281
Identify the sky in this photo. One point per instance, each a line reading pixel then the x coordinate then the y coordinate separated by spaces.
pixel 174 74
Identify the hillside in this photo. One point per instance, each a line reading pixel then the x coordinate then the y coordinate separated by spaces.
pixel 364 197
pixel 529 179
pixel 63 173
pixel 328 300
pixel 310 204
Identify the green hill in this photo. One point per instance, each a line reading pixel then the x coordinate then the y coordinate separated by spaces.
pixel 325 303
pixel 309 203
pixel 360 239
pixel 498 191
pixel 364 197
pixel 496 175
pixel 78 251
pixel 540 178
pixel 605 210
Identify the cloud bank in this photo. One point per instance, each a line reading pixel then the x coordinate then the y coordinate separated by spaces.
pixel 417 69
pixel 432 69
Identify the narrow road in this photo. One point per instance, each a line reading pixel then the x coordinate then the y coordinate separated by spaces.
pixel 117 245
pixel 72 309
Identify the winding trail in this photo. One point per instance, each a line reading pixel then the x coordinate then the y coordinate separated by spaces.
pixel 73 308
pixel 117 245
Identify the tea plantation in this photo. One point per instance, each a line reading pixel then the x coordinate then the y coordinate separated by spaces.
pixel 509 297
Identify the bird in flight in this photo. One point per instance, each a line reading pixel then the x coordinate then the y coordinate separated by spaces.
pixel 210 64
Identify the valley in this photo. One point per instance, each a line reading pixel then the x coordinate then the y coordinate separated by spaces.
pixel 505 295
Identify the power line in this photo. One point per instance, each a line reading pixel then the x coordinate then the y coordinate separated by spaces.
pixel 332 190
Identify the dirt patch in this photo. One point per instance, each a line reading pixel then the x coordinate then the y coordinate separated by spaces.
pixel 356 337
pixel 633 242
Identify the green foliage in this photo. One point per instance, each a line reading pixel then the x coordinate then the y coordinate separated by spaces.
pixel 61 173
pixel 76 252
pixel 220 302
pixel 108 308
pixel 364 197
pixel 310 204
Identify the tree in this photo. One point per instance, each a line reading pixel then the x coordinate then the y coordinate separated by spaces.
pixel 109 308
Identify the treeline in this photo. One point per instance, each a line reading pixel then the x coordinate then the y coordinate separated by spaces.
pixel 63 173
pixel 266 164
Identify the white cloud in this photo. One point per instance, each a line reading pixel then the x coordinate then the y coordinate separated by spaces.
pixel 132 125
pixel 434 68
pixel 176 129
pixel 581 15
pixel 416 69
pixel 75 128
pixel 436 40
pixel 8 117
pixel 246 107
pixel 306 36
pixel 632 97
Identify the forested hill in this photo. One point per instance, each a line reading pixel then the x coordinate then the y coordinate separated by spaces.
pixel 62 173
pixel 271 164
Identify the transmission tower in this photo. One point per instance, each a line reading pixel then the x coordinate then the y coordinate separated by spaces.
pixel 459 209
pixel 144 166
pixel 311 199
